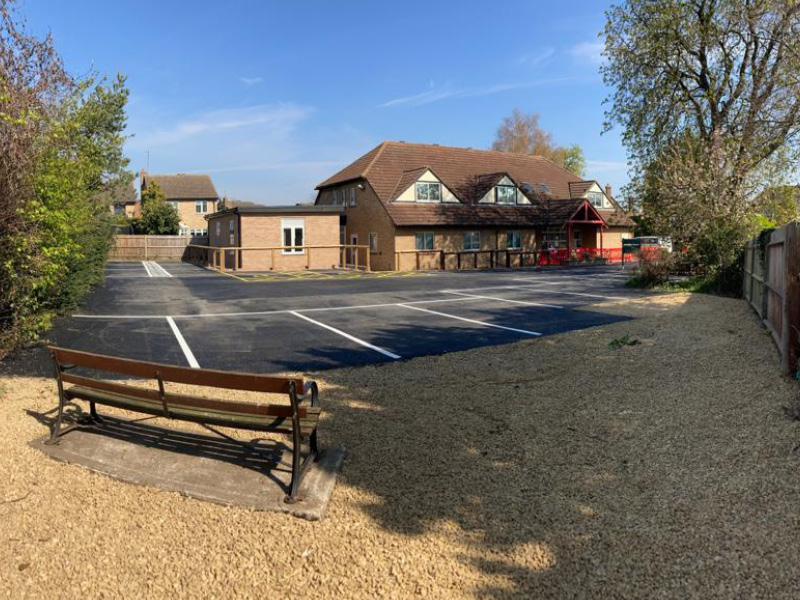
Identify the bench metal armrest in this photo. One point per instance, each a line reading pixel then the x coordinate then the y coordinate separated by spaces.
pixel 67 366
pixel 312 391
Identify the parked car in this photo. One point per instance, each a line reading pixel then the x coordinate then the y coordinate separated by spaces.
pixel 652 241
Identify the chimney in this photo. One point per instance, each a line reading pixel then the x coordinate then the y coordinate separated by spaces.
pixel 608 190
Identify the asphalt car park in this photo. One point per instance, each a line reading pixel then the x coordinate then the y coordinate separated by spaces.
pixel 182 314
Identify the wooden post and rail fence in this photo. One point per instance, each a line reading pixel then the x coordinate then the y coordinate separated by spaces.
pixel 271 258
pixel 508 258
pixel 771 285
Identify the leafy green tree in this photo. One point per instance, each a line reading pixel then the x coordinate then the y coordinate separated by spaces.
pixel 61 146
pixel 521 133
pixel 158 217
pixel 708 96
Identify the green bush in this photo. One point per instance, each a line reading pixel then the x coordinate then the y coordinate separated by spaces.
pixel 654 269
pixel 62 152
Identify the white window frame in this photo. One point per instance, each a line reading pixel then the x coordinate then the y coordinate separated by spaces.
pixel 511 233
pixel 427 184
pixel 497 195
pixel 202 205
pixel 423 235
pixel 373 242
pixel 219 229
pixel 183 231
pixel 472 236
pixel 293 225
pixel 352 196
pixel 595 197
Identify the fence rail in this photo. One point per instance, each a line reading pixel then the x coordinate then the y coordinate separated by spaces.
pixel 152 247
pixel 273 258
pixel 512 259
pixel 771 285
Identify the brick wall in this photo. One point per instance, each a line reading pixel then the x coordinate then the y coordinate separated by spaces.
pixel 265 231
pixel 367 216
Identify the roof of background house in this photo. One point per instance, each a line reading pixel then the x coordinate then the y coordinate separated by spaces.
pixel 297 209
pixel 391 167
pixel 182 186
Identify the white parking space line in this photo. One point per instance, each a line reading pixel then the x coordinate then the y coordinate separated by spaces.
pixel 346 335
pixel 604 297
pixel 484 323
pixel 147 268
pixel 159 270
pixel 187 352
pixel 506 300
pixel 410 304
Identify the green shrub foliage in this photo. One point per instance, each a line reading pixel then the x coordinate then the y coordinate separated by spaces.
pixel 158 217
pixel 62 143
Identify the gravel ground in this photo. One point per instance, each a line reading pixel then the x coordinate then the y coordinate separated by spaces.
pixel 551 468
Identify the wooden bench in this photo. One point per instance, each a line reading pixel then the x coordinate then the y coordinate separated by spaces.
pixel 299 418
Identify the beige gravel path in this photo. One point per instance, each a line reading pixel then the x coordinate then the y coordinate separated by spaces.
pixel 552 468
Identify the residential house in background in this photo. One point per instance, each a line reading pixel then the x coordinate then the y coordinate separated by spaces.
pixel 193 196
pixel 421 206
pixel 124 201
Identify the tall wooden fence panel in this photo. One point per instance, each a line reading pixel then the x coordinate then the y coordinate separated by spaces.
pixel 772 285
pixel 152 247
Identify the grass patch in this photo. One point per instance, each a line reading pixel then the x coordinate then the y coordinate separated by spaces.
pixel 625 340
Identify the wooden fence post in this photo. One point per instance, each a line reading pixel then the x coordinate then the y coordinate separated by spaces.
pixel 791 297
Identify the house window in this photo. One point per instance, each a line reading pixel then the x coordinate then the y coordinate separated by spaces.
pixel 173 204
pixel 578 239
pixel 293 235
pixel 513 240
pixel 596 198
pixel 183 231
pixel 505 194
pixel 472 240
pixel 554 239
pixel 428 192
pixel 424 240
pixel 352 196
pixel 343 197
pixel 201 206
pixel 119 209
pixel 373 242
pixel 231 236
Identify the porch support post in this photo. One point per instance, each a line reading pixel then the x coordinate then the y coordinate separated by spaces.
pixel 569 240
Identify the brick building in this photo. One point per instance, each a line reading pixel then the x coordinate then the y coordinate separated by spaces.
pixel 419 206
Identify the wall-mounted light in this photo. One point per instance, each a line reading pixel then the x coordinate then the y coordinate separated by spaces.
pixel 361 186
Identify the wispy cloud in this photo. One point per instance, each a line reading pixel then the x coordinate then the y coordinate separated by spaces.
pixel 434 95
pixel 588 52
pixel 605 166
pixel 272 166
pixel 534 59
pixel 266 116
pixel 251 80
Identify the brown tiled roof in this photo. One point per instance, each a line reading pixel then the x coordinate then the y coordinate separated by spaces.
pixel 391 167
pixel 181 186
pixel 457 168
pixel 547 212
pixel 578 188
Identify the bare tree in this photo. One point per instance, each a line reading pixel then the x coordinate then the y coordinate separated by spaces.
pixel 521 134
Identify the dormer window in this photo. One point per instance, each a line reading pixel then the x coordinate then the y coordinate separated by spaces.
pixel 505 194
pixel 596 199
pixel 427 191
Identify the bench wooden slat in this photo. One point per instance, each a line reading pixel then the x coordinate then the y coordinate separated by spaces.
pixel 275 410
pixel 202 377
pixel 151 406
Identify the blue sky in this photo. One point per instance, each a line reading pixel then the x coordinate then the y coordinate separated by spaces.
pixel 271 97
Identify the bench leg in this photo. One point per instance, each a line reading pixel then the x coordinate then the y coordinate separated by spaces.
pixel 93 413
pixel 297 466
pixel 57 427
